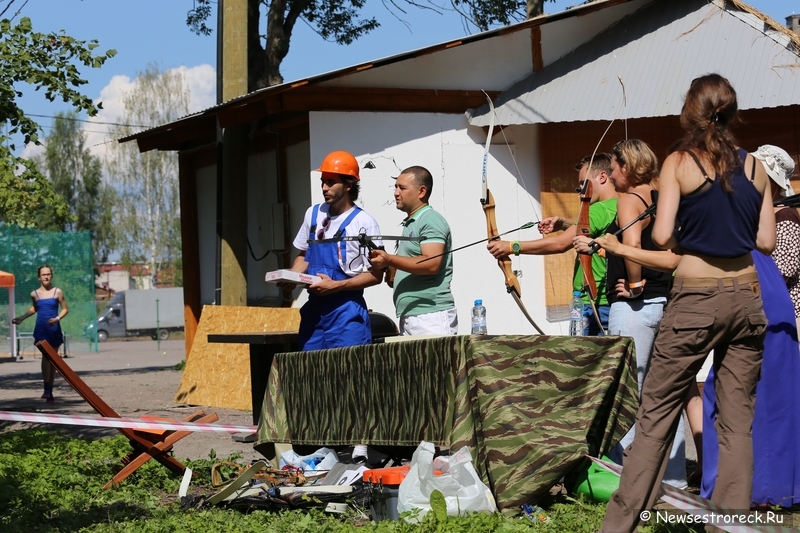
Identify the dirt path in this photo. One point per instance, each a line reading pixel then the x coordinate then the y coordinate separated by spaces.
pixel 134 377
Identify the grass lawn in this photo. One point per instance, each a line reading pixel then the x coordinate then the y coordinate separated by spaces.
pixel 50 482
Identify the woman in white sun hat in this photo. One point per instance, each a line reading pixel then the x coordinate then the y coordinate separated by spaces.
pixel 780 166
pixel 776 424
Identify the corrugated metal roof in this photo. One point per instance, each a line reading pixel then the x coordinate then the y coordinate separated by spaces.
pixel 656 52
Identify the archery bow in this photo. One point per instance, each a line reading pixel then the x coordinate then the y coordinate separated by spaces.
pixel 789 201
pixel 585 193
pixel 583 228
pixel 487 201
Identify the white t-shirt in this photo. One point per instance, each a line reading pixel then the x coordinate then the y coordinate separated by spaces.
pixel 355 261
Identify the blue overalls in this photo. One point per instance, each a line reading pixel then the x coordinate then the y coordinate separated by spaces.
pixel 340 319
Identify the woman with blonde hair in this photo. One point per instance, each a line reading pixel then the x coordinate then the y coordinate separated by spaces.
pixel 718 213
pixel 638 294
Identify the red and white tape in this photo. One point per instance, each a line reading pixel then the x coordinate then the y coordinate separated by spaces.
pixel 129 423
pixel 698 507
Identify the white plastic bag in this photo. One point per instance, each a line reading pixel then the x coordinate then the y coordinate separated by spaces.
pixel 460 484
pixel 322 459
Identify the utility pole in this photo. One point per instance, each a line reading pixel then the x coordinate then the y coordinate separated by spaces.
pixel 232 176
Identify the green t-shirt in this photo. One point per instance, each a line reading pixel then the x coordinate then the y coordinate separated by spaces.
pixel 601 215
pixel 416 294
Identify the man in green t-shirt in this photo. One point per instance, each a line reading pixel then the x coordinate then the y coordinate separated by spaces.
pixel 602 213
pixel 422 296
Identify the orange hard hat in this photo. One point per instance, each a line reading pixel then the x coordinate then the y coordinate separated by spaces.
pixel 340 162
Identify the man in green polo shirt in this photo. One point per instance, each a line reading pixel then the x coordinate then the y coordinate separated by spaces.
pixel 602 212
pixel 422 296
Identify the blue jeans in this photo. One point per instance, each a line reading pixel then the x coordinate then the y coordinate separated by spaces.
pixel 640 320
pixel 591 328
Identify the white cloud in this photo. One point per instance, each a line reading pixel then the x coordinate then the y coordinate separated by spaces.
pixel 200 80
pixel 32 150
pixel 111 96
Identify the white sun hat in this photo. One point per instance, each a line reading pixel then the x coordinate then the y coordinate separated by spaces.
pixel 778 164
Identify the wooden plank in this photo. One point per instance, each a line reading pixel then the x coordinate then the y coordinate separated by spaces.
pixel 219 374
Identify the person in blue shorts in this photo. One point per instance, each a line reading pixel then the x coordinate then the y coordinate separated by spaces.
pixel 46 301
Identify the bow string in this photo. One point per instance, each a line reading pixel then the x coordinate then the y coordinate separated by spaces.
pixel 487 201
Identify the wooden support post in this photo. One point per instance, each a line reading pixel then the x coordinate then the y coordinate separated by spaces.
pixel 190 247
pixel 235 140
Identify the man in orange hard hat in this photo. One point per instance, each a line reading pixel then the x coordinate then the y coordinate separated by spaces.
pixel 336 314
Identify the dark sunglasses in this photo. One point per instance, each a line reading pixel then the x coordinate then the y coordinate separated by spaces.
pixel 324 226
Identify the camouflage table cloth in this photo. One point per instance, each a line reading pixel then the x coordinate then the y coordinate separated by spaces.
pixel 527 407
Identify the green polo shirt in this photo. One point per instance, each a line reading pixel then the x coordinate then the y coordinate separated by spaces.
pixel 416 294
pixel 601 215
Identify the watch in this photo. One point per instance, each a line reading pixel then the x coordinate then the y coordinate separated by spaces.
pixel 515 247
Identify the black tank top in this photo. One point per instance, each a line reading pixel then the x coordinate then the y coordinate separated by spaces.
pixel 658 283
pixel 717 223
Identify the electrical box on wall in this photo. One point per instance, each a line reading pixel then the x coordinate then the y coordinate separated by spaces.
pixel 271 226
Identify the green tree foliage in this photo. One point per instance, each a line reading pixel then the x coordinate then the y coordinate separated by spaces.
pixel 147 211
pixel 76 175
pixel 47 62
pixel 340 21
pixel 25 192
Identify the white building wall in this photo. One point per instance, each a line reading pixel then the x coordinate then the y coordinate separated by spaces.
pixel 141 283
pixel 116 280
pixel 453 152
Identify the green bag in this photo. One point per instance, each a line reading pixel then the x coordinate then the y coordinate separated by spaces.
pixel 596 482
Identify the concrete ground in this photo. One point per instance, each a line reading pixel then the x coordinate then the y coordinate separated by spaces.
pixel 134 377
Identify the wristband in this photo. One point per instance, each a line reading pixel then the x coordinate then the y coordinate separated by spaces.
pixel 58 319
pixel 515 247
pixel 636 285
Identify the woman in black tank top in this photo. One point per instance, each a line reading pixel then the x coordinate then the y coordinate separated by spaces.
pixel 715 304
pixel 638 294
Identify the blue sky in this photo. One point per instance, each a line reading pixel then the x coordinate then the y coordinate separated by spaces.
pixel 144 31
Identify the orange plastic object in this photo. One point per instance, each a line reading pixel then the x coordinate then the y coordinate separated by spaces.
pixel 387 476
pixel 390 476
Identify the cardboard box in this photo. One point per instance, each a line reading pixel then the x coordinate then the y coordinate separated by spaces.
pixel 288 275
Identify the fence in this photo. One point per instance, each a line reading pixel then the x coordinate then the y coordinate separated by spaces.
pixel 22 251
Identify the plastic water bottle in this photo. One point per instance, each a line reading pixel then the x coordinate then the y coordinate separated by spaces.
pixel 576 314
pixel 479 318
